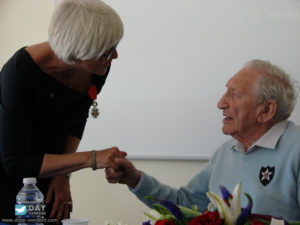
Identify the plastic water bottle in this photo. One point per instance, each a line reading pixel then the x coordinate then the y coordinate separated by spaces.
pixel 30 203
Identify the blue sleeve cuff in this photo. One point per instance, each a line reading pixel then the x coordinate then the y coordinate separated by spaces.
pixel 139 185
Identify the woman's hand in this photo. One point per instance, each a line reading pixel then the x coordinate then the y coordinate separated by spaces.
pixel 106 158
pixel 59 189
pixel 59 164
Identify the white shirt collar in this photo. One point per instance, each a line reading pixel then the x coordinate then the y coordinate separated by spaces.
pixel 268 140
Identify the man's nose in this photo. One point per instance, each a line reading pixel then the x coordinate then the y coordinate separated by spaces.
pixel 222 104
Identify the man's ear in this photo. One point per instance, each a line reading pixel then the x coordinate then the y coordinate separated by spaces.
pixel 267 111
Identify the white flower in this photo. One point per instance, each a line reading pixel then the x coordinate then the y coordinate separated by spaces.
pixel 228 213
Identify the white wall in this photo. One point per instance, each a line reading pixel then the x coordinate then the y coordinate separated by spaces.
pixel 22 23
pixel 174 61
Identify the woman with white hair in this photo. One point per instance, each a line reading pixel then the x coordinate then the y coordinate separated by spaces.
pixel 46 93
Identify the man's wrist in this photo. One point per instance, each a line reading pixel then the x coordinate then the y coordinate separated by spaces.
pixel 137 181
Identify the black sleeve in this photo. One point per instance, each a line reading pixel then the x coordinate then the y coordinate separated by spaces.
pixel 16 95
pixel 77 131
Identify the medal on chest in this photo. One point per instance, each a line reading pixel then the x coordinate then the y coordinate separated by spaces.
pixel 93 95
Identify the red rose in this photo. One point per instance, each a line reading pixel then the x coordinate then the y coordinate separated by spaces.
pixel 164 222
pixel 208 218
pixel 255 222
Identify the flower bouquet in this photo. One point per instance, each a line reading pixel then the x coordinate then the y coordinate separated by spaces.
pixel 225 210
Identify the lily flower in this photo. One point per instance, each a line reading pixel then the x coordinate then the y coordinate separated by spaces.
pixel 227 196
pixel 230 208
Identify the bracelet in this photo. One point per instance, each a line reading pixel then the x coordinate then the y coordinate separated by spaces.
pixel 94 164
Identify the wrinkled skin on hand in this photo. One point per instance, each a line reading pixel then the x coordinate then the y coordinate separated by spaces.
pixel 126 173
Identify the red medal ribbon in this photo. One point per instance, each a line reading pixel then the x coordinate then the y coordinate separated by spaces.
pixel 92 92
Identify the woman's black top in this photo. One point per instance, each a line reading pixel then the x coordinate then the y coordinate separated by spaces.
pixel 37 113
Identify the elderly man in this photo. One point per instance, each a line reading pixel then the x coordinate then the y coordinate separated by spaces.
pixel 264 154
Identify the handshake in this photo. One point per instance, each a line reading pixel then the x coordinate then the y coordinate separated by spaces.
pixel 118 168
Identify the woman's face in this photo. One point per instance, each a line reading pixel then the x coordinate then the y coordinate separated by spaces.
pixel 98 66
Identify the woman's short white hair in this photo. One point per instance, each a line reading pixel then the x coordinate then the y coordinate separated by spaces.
pixel 83 29
pixel 274 84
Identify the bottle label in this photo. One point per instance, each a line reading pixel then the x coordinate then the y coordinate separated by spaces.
pixel 30 210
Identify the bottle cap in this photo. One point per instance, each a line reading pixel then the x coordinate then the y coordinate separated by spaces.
pixel 29 180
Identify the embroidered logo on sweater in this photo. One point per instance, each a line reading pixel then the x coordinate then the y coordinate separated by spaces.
pixel 266 174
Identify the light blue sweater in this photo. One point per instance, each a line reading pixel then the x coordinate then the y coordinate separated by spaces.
pixel 270 175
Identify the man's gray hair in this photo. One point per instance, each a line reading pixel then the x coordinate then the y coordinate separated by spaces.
pixel 83 29
pixel 274 84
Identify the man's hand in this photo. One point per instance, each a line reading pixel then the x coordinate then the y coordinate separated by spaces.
pixel 59 189
pixel 125 174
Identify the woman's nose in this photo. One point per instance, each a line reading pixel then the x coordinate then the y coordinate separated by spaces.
pixel 115 54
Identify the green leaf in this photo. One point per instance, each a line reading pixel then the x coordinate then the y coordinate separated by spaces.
pixel 149 198
pixel 151 217
pixel 190 213
pixel 195 208
pixel 161 209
